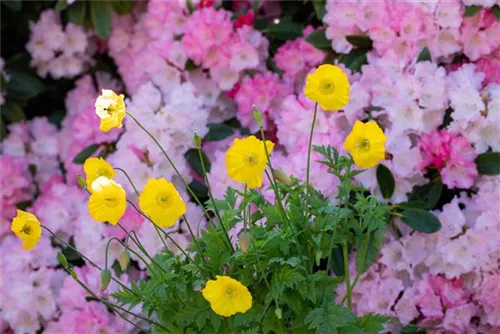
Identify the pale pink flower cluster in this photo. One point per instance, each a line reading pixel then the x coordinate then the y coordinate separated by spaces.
pixel 62 52
pixel 406 27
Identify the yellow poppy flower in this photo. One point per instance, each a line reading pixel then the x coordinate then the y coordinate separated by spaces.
pixel 366 143
pixel 95 167
pixel 227 296
pixel 328 86
pixel 107 202
pixel 246 160
pixel 110 108
pixel 26 226
pixel 161 202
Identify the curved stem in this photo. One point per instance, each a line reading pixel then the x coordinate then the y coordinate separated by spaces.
pixel 126 247
pixel 212 198
pixel 86 258
pixel 129 180
pixel 195 240
pixel 188 188
pixel 310 146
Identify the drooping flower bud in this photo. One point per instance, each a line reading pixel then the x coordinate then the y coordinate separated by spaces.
pixel 124 259
pixel 257 115
pixel 105 278
pixel 62 260
pixel 278 313
pixel 281 176
pixel 245 239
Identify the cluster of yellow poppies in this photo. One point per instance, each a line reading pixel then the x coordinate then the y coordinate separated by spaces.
pixel 246 161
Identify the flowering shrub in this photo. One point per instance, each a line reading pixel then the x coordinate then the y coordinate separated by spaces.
pixel 426 72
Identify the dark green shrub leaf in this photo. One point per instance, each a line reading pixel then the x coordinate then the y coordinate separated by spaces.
pixel 101 18
pixel 354 59
pixel 122 7
pixel 61 5
pixel 76 12
pixel 488 163
pixel 496 12
pixel 218 131
pixel 194 161
pixel 435 194
pixel 14 5
pixel 360 41
pixel 318 39
pixel 285 29
pixel 425 55
pixel 386 181
pixel 319 8
pixel 13 112
pixel 472 10
pixel 421 220
pixel 23 85
pixel 85 154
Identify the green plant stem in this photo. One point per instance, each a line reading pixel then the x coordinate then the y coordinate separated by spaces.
pixel 114 306
pixel 195 240
pixel 245 208
pixel 86 258
pixel 344 197
pixel 310 146
pixel 188 188
pixel 212 198
pixel 347 274
pixel 366 240
pixel 138 243
pixel 126 247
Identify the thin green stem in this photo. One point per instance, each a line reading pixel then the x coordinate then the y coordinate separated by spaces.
pixel 366 240
pixel 115 306
pixel 310 146
pixel 347 274
pixel 245 208
pixel 188 188
pixel 128 248
pixel 129 180
pixel 86 258
pixel 221 222
pixel 195 240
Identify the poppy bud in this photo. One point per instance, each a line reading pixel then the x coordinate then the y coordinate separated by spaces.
pixel 124 259
pixel 278 313
pixel 245 238
pixel 105 278
pixel 281 176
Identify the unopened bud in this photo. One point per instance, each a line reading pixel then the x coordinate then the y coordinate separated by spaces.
pixel 81 182
pixel 257 115
pixel 105 278
pixel 245 239
pixel 319 255
pixel 124 259
pixel 278 313
pixel 62 260
pixel 197 140
pixel 281 176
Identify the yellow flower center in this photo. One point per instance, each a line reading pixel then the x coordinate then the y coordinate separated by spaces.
pixel 230 293
pixel 251 159
pixel 111 201
pixel 26 229
pixel 162 199
pixel 326 86
pixel 363 145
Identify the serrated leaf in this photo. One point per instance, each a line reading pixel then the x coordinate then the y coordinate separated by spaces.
pixel 472 10
pixel 386 181
pixel 100 16
pixel 193 159
pixel 328 318
pixel 76 12
pixel 86 153
pixel 488 163
pixel 425 55
pixel 318 39
pixel 421 220
pixel 218 131
pixel 285 29
pixel 14 5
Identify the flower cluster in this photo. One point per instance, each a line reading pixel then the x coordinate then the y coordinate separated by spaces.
pixel 62 52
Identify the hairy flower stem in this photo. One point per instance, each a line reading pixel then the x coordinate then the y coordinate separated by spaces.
pixel 126 247
pixel 195 240
pixel 310 146
pixel 85 258
pixel 366 240
pixel 347 274
pixel 115 307
pixel 188 188
pixel 212 197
